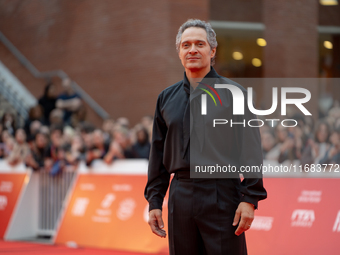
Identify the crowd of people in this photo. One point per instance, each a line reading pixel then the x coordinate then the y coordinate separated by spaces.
pixel 56 135
pixel 307 143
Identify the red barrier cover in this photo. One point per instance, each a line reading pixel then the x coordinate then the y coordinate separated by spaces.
pixel 11 185
pixel 109 211
pixel 300 216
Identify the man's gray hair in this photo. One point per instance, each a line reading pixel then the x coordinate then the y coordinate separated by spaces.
pixel 211 35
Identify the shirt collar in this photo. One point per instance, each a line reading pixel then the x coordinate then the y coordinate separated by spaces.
pixel 186 84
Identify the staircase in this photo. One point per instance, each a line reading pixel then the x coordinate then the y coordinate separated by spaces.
pixel 14 95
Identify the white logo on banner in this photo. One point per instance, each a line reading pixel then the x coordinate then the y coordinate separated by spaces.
pixel 336 227
pixel 303 218
pixel 80 206
pixel 3 202
pixel 6 186
pixel 122 187
pixel 262 223
pixel 103 214
pixel 101 219
pixel 108 200
pixel 126 209
pixel 310 196
pixel 87 186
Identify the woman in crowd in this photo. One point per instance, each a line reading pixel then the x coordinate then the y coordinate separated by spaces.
pixel 8 123
pixel 317 147
pixel 281 134
pixel 20 150
pixel 99 148
pixel 141 148
pixel 268 146
pixel 48 101
pixel 292 147
pixel 39 157
pixel 332 155
pixel 35 115
pixel 77 151
pixel 120 147
pixel 7 144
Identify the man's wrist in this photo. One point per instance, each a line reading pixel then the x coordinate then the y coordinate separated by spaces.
pixel 251 205
pixel 251 200
pixel 155 205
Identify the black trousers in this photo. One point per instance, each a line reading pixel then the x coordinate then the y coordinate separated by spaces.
pixel 201 213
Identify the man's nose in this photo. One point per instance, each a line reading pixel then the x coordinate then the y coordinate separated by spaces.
pixel 193 49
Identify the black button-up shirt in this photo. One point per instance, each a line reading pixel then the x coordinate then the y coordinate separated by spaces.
pixel 170 152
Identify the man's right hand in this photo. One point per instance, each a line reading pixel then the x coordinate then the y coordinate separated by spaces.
pixel 156 222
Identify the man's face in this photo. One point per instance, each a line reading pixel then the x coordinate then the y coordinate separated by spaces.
pixel 67 85
pixel 56 138
pixel 41 141
pixel 194 51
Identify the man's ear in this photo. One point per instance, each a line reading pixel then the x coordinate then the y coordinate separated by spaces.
pixel 213 52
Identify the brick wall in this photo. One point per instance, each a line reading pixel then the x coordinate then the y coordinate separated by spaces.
pixel 292 38
pixel 231 10
pixel 292 43
pixel 122 53
pixel 329 15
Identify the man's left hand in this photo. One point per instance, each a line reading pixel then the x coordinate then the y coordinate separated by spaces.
pixel 245 211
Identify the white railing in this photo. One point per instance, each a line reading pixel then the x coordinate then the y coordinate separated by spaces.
pixel 52 194
pixel 15 92
pixel 46 194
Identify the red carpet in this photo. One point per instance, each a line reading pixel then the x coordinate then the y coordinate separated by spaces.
pixel 21 248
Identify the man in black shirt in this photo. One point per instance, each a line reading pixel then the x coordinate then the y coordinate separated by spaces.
pixel 206 216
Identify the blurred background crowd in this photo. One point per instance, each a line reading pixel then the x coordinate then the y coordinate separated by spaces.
pixel 56 135
pixel 256 39
pixel 307 143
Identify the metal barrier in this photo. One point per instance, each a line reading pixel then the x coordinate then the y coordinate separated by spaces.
pixel 52 194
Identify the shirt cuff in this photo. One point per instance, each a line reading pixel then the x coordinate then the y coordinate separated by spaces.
pixel 155 205
pixel 250 199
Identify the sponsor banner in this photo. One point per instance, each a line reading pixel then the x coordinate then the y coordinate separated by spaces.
pixel 11 185
pixel 300 216
pixel 303 218
pixel 110 211
pixel 262 223
pixel 310 196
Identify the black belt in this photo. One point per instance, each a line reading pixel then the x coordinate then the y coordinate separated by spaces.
pixel 182 174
